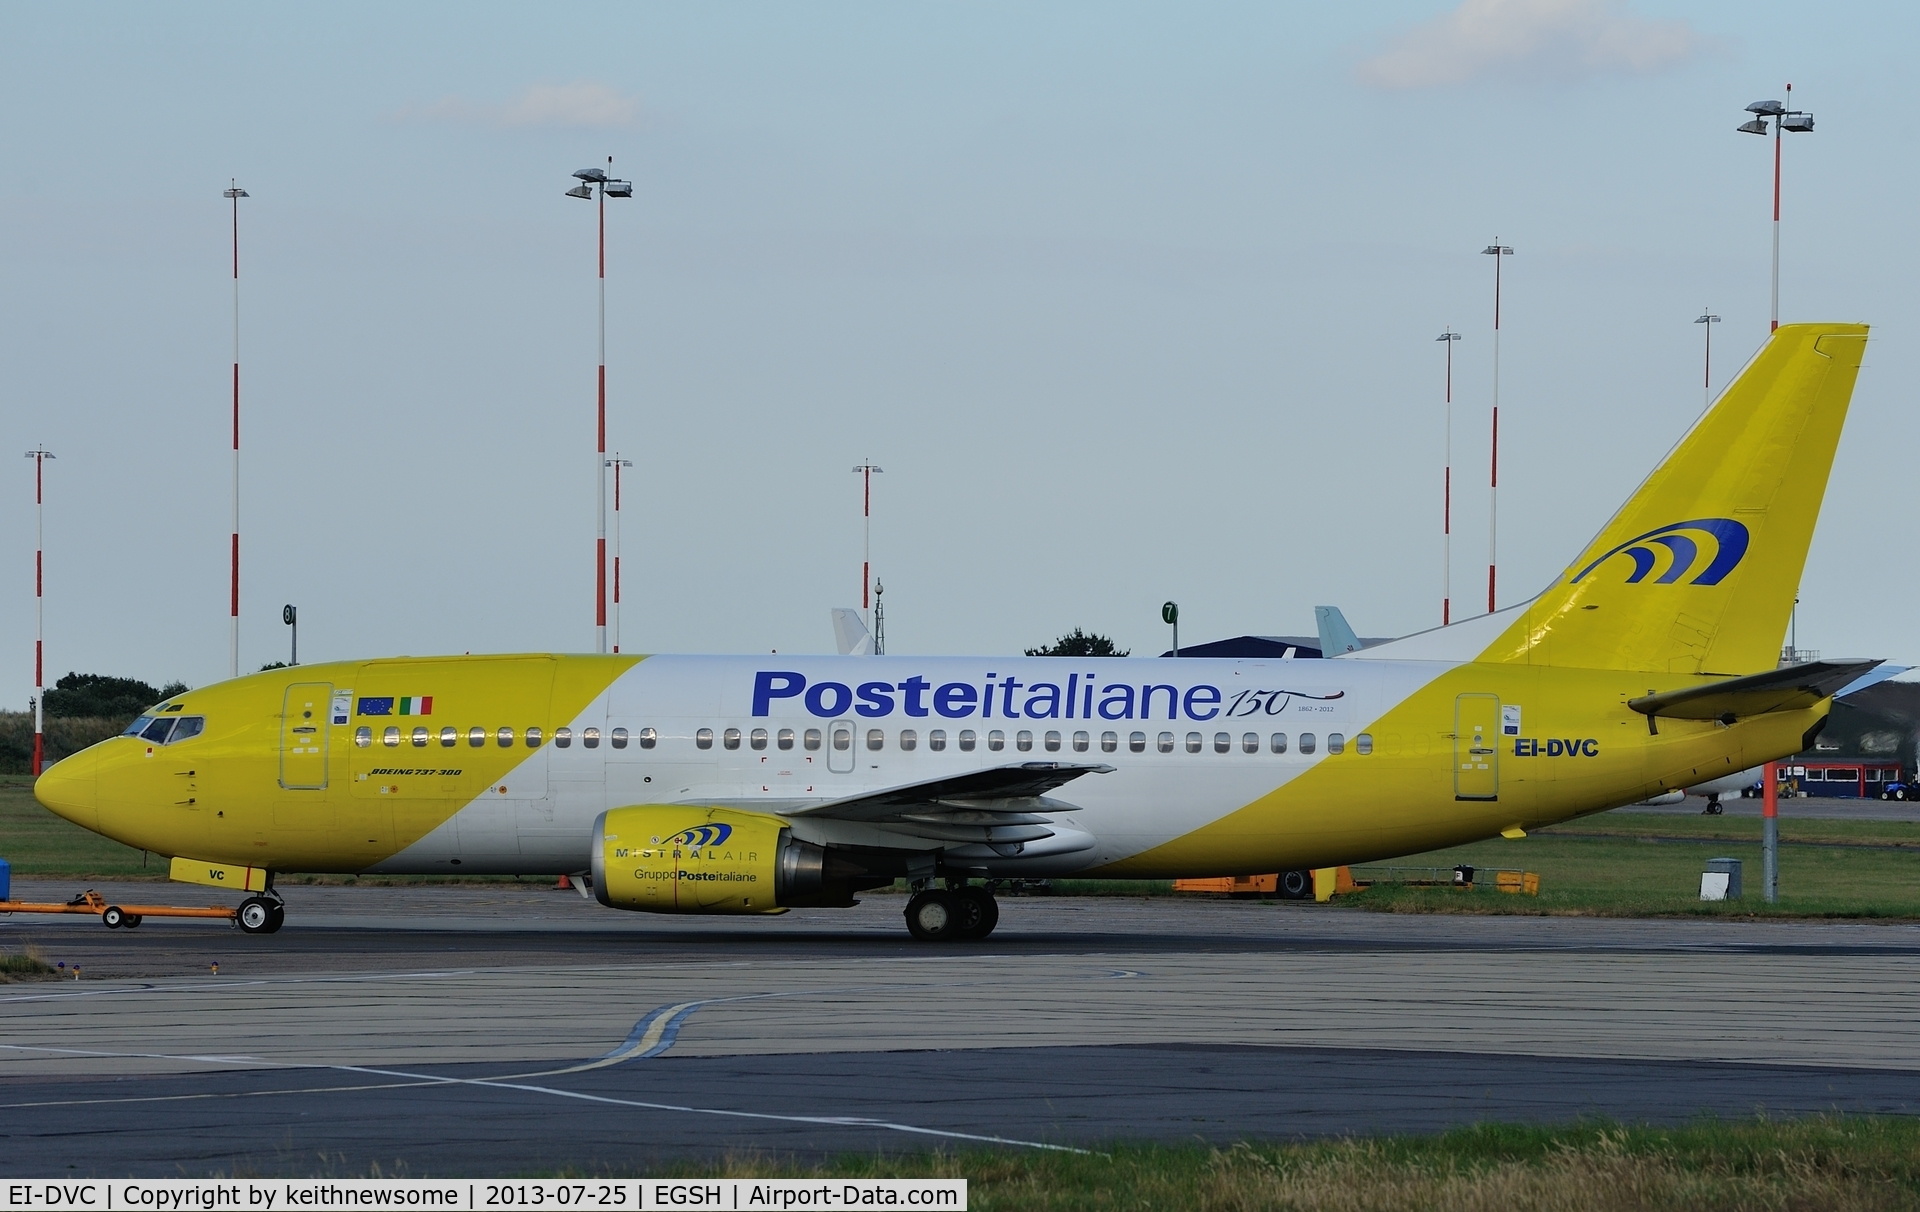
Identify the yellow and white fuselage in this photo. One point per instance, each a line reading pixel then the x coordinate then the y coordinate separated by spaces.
pixel 835 773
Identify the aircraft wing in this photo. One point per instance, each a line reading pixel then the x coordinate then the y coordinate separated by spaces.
pixel 1789 689
pixel 1001 808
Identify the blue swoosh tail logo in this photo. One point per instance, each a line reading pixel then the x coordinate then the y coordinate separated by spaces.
pixel 1730 540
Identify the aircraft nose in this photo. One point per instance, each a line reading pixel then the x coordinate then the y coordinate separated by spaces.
pixel 69 788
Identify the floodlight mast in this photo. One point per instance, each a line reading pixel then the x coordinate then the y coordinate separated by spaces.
pixel 1499 252
pixel 607 187
pixel 865 471
pixel 1784 119
pixel 234 193
pixel 1446 506
pixel 39 455
pixel 616 462
pixel 1707 319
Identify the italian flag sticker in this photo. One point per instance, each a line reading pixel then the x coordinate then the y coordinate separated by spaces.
pixel 419 706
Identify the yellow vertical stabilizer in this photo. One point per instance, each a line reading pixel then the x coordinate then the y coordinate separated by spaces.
pixel 1697 572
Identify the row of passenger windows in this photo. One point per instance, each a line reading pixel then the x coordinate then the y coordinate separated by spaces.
pixel 996 740
pixel 477 737
pixel 967 740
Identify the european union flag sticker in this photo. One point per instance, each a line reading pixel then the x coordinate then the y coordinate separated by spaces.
pixel 377 706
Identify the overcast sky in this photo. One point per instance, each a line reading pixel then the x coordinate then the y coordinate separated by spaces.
pixel 1132 302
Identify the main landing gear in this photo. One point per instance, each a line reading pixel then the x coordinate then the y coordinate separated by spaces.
pixel 261 915
pixel 958 911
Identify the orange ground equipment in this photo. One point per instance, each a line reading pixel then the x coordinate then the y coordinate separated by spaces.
pixel 114 917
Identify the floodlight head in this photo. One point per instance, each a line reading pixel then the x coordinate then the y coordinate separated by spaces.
pixel 235 193
pixel 1771 109
pixel 1448 336
pixel 590 174
pixel 1756 127
pixel 1707 319
pixel 1496 250
pixel 580 191
pixel 1796 122
pixel 619 189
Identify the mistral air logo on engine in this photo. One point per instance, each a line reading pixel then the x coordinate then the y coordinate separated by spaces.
pixel 1010 698
pixel 1680 541
pixel 698 837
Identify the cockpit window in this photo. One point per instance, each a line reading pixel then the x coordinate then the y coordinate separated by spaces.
pixel 186 727
pixel 138 726
pixel 157 731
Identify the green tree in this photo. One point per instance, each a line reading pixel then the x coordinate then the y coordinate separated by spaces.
pixel 92 694
pixel 1078 643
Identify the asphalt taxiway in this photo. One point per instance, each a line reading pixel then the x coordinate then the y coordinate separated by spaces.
pixel 512 1029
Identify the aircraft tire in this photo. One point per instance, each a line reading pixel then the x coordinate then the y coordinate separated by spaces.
pixel 113 917
pixel 256 916
pixel 984 915
pixel 1296 885
pixel 933 916
pixel 279 918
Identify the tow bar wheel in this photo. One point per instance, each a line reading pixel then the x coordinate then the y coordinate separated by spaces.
pixel 113 917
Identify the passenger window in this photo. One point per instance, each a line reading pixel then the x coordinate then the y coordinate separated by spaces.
pixel 1336 742
pixel 843 739
pixel 533 738
pixel 758 738
pixel 1193 742
pixel 450 736
pixel 876 738
pixel 186 728
pixel 505 737
pixel 362 737
pixel 996 740
pixel 908 739
pixel 419 738
pixel 1278 742
pixel 937 740
pixel 562 737
pixel 590 738
pixel 785 740
pixel 158 730
pixel 1165 742
pixel 703 739
pixel 1363 744
pixel 813 738
pixel 390 737
pixel 966 740
pixel 1137 742
pixel 1222 742
pixel 1109 741
pixel 730 738
pixel 1080 742
pixel 1053 742
pixel 1306 742
pixel 476 736
pixel 1250 742
pixel 1023 740
pixel 618 738
pixel 649 737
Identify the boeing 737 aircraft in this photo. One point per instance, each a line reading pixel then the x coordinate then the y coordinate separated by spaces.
pixel 747 785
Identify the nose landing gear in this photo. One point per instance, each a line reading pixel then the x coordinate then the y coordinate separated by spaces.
pixel 261 915
pixel 959 911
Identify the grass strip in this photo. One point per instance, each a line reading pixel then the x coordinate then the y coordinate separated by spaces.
pixel 1838 1163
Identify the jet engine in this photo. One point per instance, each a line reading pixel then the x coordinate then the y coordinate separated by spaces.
pixel 663 858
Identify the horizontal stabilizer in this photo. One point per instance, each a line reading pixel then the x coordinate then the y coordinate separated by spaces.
pixel 1793 688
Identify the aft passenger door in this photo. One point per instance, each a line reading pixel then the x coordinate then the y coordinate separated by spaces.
pixel 1476 747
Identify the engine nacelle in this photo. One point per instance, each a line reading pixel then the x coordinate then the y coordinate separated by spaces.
pixel 663 858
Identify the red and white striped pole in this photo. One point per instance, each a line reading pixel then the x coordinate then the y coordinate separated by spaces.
pixel 596 181
pixel 866 471
pixel 1446 509
pixel 234 193
pixel 616 462
pixel 39 455
pixel 1498 252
